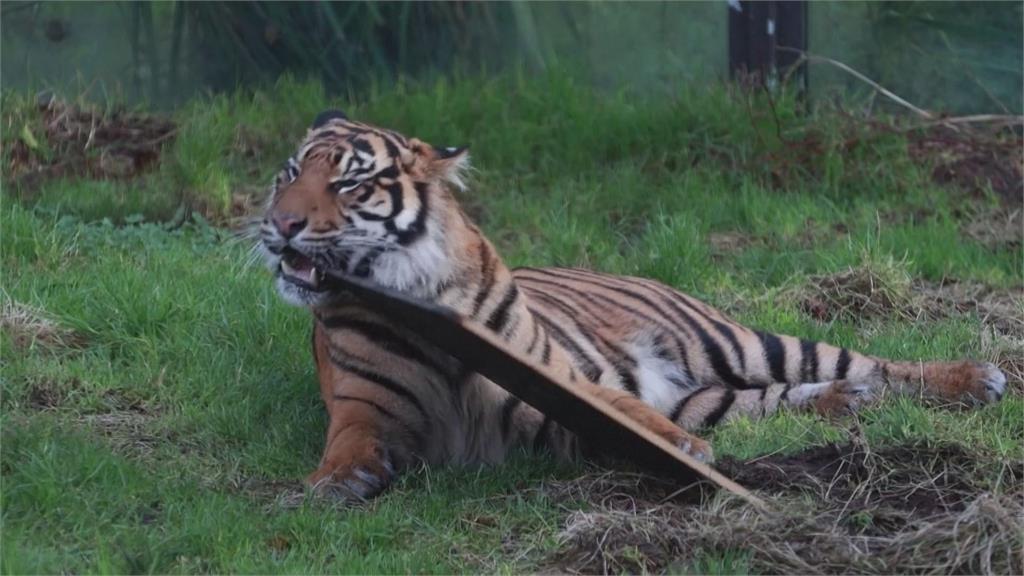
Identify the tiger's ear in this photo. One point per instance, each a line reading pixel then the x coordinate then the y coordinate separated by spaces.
pixel 326 116
pixel 448 164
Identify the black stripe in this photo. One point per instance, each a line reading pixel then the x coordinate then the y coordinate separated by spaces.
pixel 362 145
pixel 681 405
pixel 361 171
pixel 545 356
pixel 571 313
pixel 540 439
pixel 362 267
pixel 733 341
pixel 601 315
pixel 591 371
pixel 625 375
pixel 382 336
pixel 723 328
pixel 487 278
pixel 775 354
pixel 608 307
pixel 534 337
pixel 417 227
pixel 726 402
pixel 382 381
pixel 715 354
pixel 370 190
pixel 396 136
pixel 808 361
pixel 499 316
pixel 784 397
pixel 391 147
pixel 611 304
pixel 507 410
pixel 383 411
pixel 391 172
pixel 719 363
pixel 348 165
pixel 397 205
pixel 628 380
pixel 842 364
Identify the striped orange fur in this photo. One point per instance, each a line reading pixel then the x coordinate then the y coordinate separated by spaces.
pixel 370 202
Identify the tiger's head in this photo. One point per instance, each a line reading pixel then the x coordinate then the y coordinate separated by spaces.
pixel 365 201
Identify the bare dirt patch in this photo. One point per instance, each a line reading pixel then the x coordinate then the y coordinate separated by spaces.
pixel 75 141
pixel 911 509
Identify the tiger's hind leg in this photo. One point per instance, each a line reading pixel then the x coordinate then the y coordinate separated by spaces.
pixel 963 383
pixel 708 406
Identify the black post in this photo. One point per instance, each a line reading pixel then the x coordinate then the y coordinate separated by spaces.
pixel 756 31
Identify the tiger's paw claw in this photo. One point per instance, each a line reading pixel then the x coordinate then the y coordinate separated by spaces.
pixel 699 449
pixel 994 382
pixel 356 482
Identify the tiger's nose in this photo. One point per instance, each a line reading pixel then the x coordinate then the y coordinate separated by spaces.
pixel 289 225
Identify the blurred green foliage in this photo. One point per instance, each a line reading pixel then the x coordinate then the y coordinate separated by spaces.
pixel 963 57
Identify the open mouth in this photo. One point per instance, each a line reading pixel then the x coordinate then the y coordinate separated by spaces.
pixel 300 270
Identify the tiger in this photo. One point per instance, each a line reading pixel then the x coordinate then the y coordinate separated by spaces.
pixel 372 203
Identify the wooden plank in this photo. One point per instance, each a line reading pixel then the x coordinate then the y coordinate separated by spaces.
pixel 534 384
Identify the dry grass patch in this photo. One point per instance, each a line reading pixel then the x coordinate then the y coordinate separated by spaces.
pixel 997 228
pixel 871 290
pixel 1000 309
pixel 911 509
pixel 29 327
pixel 886 290
pixel 1008 354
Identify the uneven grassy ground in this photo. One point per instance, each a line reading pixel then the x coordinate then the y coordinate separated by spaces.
pixel 159 402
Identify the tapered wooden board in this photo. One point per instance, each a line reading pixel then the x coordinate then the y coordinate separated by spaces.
pixel 585 415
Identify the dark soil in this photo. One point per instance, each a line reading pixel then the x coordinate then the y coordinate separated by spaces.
pixel 920 479
pixel 80 142
pixel 972 161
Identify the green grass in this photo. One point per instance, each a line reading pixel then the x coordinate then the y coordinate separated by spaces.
pixel 160 443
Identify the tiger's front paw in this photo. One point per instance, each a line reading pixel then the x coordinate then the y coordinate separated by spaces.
pixel 699 448
pixel 842 397
pixel 692 445
pixel 360 475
